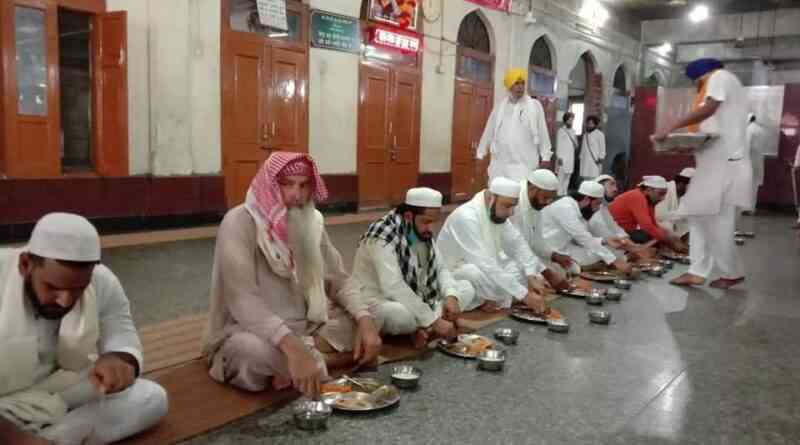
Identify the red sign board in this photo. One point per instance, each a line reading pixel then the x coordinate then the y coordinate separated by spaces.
pixel 501 5
pixel 396 40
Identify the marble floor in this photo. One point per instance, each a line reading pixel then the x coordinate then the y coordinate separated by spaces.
pixel 676 366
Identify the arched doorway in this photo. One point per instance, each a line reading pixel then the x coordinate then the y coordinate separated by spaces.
pixel 585 85
pixel 472 104
pixel 390 80
pixel 542 80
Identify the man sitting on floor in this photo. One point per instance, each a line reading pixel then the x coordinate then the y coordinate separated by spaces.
pixel 400 272
pixel 536 193
pixel 634 211
pixel 480 245
pixel 603 225
pixel 564 228
pixel 665 209
pixel 70 357
pixel 280 296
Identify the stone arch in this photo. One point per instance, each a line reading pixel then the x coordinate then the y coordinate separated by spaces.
pixel 487 25
pixel 545 41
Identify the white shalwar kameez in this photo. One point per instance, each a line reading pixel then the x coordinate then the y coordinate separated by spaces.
pixel 516 135
pixel 563 229
pixel 665 212
pixel 720 185
pixel 88 418
pixel 566 146
pixel 494 258
pixel 755 144
pixel 593 152
pixel 525 220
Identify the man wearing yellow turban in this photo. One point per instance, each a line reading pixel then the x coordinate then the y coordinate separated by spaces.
pixel 516 133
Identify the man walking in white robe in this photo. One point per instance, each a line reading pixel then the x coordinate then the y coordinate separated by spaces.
pixel 755 145
pixel 722 184
pixel 481 246
pixel 516 133
pixel 566 146
pixel 593 149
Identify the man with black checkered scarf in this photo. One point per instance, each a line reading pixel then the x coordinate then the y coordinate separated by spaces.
pixel 400 274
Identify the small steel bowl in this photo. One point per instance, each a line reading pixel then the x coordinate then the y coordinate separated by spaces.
pixel 667 264
pixel 491 360
pixel 657 271
pixel 560 326
pixel 406 376
pixel 310 415
pixel 595 298
pixel 739 241
pixel 623 284
pixel 507 335
pixel 613 294
pixel 600 317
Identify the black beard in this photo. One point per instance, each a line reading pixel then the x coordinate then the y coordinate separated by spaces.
pixel 610 199
pixel 493 215
pixel 587 212
pixel 427 236
pixel 536 205
pixel 46 311
pixel 589 130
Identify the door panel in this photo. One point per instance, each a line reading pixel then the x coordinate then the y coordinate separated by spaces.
pixel 404 154
pixel 463 143
pixel 481 109
pixel 373 134
pixel 287 101
pixel 245 132
pixel 112 88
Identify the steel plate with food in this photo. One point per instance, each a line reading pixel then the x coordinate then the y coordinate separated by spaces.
pixel 682 143
pixel 525 314
pixel 466 346
pixel 681 258
pixel 602 276
pixel 577 293
pixel 359 394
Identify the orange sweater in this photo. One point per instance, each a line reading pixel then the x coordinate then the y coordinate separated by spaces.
pixel 631 210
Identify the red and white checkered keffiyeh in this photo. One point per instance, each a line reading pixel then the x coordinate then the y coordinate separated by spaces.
pixel 264 195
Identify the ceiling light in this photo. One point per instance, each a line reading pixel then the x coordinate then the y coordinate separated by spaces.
pixel 594 12
pixel 699 13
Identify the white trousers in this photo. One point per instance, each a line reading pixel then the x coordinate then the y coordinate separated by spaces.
pixel 393 318
pixel 121 415
pixel 485 289
pixel 712 245
pixel 563 183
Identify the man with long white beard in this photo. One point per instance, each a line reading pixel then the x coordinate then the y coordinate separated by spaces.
pixel 536 193
pixel 516 134
pixel 593 149
pixel 280 297
pixel 564 228
pixel 480 245
pixel 722 185
pixel 70 357
pixel 399 271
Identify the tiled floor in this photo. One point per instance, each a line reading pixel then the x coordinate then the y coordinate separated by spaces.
pixel 677 366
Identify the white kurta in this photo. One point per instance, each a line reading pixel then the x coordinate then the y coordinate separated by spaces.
pixel 516 135
pixel 593 153
pixel 755 142
pixel 563 229
pixel 494 258
pixel 377 276
pixel 665 212
pixel 603 225
pixel 525 219
pixel 566 146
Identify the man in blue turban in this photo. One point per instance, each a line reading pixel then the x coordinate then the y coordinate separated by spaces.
pixel 722 183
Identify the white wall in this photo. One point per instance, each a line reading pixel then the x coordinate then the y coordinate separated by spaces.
pixel 173 85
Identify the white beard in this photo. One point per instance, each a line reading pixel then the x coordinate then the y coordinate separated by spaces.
pixel 307 254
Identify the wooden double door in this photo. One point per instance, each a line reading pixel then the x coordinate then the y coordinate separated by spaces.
pixel 264 107
pixel 471 109
pixel 388 133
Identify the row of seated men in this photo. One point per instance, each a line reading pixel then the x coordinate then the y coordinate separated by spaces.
pixel 283 309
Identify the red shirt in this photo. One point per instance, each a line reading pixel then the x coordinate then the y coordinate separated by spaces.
pixel 631 210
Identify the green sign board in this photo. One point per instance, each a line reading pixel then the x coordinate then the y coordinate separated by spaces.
pixel 338 32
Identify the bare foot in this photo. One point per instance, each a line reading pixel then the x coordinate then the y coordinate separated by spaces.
pixel 688 279
pixel 726 283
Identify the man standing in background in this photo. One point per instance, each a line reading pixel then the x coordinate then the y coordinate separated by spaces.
pixel 593 150
pixel 566 146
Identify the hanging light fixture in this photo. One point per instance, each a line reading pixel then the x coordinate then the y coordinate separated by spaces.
pixel 699 13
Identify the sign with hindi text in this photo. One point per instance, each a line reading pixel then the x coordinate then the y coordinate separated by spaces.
pixel 336 32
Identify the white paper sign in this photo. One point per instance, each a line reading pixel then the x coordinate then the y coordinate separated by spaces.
pixel 272 13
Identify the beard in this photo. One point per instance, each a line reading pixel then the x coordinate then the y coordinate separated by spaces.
pixel 493 214
pixel 46 311
pixel 610 199
pixel 536 205
pixel 587 212
pixel 424 236
pixel 307 255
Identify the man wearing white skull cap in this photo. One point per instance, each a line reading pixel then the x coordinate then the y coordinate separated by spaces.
pixel 665 210
pixel 603 225
pixel 537 192
pixel 71 357
pixel 401 274
pixel 480 245
pixel 564 228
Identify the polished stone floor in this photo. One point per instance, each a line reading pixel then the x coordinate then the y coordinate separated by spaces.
pixel 676 366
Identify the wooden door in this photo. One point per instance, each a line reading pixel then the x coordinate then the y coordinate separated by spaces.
pixel 481 109
pixel 288 99
pixel 373 134
pixel 111 85
pixel 462 166
pixel 404 123
pixel 245 131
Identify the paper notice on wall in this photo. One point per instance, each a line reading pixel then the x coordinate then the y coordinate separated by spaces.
pixel 272 13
